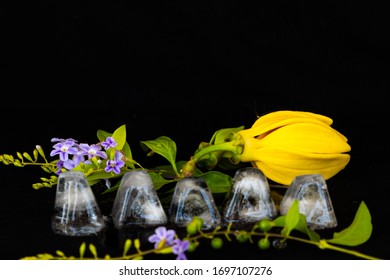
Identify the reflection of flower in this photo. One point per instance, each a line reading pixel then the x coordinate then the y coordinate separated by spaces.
pixel 285 144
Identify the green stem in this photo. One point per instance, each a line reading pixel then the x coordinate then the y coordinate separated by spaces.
pixel 231 146
pixel 324 245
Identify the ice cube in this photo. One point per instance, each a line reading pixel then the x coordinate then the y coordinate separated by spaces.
pixel 76 212
pixel 250 199
pixel 136 203
pixel 192 198
pixel 312 194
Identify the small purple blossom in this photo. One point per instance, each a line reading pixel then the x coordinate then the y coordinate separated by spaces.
pixel 115 164
pixel 179 249
pixel 109 143
pixel 92 151
pixel 64 148
pixel 162 237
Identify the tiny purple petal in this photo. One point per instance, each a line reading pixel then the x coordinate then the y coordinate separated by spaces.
pixel 69 164
pixel 179 248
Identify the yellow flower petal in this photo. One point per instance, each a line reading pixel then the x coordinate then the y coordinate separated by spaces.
pixel 272 121
pixel 277 116
pixel 282 165
pixel 307 137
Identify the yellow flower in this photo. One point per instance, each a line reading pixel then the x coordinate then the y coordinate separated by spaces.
pixel 285 144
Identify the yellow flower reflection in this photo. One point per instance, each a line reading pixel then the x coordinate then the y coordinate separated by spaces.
pixel 285 144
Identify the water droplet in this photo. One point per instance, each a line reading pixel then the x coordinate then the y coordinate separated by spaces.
pixel 279 243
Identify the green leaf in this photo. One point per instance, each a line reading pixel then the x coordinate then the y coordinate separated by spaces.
pixel 217 182
pixel 98 175
pixel 158 180
pixel 102 135
pixel 292 218
pixel 120 136
pixel 163 146
pixel 358 232
pixel 300 226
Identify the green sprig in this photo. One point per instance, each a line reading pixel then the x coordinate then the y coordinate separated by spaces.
pixel 263 231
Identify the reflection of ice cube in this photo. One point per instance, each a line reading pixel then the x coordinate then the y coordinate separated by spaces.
pixel 136 203
pixel 250 200
pixel 192 198
pixel 76 212
pixel 314 202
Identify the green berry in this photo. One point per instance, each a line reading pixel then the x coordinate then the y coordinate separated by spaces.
pixel 192 228
pixel 216 243
pixel 192 246
pixel 264 243
pixel 199 222
pixel 242 236
pixel 265 225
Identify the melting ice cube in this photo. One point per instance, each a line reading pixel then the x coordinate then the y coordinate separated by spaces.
pixel 250 199
pixel 136 203
pixel 191 198
pixel 314 202
pixel 76 212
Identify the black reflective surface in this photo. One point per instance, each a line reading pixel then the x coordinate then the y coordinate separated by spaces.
pixel 186 70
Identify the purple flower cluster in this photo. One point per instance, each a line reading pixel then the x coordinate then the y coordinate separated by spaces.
pixel 72 154
pixel 164 238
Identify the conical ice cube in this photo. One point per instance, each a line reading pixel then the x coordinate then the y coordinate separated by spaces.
pixel 76 212
pixel 312 194
pixel 136 203
pixel 192 198
pixel 250 199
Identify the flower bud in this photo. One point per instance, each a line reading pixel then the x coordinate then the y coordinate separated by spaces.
pixel 285 144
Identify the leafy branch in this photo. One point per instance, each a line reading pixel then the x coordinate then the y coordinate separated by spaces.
pixel 279 231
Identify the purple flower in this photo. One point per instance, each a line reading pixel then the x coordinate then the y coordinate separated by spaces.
pixel 179 248
pixel 64 148
pixel 162 237
pixel 109 143
pixel 115 164
pixel 92 151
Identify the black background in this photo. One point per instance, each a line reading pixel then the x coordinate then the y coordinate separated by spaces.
pixel 185 70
